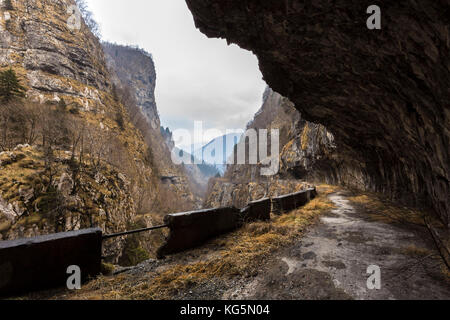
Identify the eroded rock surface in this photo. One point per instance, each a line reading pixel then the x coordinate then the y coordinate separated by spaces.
pixel 135 68
pixel 37 41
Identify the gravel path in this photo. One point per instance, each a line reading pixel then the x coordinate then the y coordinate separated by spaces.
pixel 331 262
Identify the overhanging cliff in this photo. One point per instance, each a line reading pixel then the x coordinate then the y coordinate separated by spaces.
pixel 384 94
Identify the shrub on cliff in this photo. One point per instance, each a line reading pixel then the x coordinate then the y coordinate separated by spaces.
pixel 88 18
pixel 10 86
pixel 8 5
pixel 133 253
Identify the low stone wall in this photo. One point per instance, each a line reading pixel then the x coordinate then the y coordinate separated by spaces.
pixel 41 262
pixel 292 201
pixel 257 210
pixel 190 229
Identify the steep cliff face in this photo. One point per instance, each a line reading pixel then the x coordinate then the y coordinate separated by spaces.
pixel 384 94
pixel 134 69
pixel 87 163
pixel 53 187
pixel 36 40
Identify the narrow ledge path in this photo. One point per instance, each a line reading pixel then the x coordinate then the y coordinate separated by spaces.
pixel 331 261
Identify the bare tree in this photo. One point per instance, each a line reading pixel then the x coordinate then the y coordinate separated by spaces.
pixel 18 124
pixel 88 18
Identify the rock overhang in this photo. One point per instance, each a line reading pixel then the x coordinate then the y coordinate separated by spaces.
pixel 384 94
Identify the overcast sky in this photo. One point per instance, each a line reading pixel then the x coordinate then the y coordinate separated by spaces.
pixel 198 79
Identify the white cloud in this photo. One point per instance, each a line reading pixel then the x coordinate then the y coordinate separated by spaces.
pixel 197 78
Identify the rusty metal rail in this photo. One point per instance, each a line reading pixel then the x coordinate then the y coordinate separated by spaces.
pixel 125 233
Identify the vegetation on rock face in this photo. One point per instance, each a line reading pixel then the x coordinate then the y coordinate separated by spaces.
pixel 76 152
pixel 107 269
pixel 133 253
pixel 56 176
pixel 10 86
pixel 304 137
pixel 60 172
pixel 7 4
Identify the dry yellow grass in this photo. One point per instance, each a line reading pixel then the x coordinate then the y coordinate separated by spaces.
pixel 386 211
pixel 416 251
pixel 382 210
pixel 325 189
pixel 236 254
pixel 305 137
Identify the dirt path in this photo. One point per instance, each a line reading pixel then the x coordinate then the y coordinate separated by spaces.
pixel 331 262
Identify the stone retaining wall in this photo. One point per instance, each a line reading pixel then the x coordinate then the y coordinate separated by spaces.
pixel 292 201
pixel 41 262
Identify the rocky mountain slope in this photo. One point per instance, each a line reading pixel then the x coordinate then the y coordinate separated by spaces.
pixel 134 70
pixel 198 174
pixel 86 159
pixel 383 94
pixel 304 148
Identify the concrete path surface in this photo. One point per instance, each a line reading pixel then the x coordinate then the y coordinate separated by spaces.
pixel 333 259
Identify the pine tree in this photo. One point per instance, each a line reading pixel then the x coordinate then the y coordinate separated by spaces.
pixel 62 104
pixel 8 5
pixel 10 86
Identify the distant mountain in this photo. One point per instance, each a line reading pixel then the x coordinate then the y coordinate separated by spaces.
pixel 207 169
pixel 217 151
pixel 199 173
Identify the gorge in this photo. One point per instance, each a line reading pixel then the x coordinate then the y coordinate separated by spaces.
pixel 362 118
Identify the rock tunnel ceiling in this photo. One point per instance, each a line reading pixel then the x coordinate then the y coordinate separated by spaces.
pixel 384 94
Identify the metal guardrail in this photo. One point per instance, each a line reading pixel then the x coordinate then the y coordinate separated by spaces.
pixel 125 233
